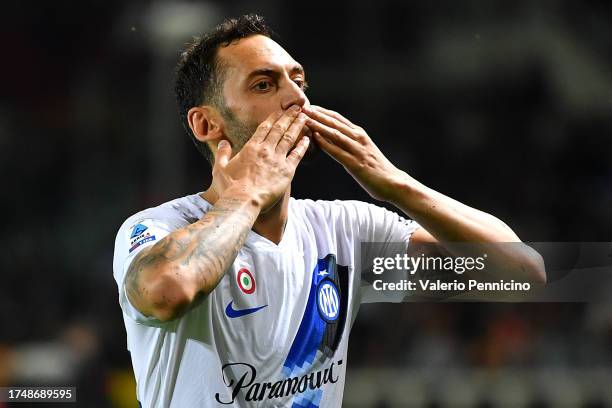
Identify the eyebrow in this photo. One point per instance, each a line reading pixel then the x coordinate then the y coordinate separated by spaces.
pixel 275 73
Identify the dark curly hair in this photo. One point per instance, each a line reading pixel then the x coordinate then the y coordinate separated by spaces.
pixel 199 73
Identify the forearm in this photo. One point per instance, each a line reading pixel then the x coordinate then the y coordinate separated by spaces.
pixel 453 225
pixel 443 219
pixel 167 278
pixel 447 219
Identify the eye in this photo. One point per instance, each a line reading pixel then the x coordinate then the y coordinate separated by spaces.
pixel 263 85
pixel 301 83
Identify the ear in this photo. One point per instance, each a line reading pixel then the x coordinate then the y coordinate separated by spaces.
pixel 205 123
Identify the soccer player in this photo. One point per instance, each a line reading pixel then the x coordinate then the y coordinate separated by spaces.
pixel 241 295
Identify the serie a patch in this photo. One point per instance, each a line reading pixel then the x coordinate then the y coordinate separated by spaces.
pixel 139 235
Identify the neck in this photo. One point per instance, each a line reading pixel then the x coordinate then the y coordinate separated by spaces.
pixel 269 224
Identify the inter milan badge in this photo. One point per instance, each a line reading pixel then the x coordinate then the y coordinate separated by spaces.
pixel 328 300
pixel 246 282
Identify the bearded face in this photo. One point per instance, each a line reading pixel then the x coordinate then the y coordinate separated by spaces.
pixel 240 131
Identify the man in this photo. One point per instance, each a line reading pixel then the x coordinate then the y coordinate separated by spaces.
pixel 242 296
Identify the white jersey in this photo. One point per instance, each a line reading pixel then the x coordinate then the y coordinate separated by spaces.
pixel 274 332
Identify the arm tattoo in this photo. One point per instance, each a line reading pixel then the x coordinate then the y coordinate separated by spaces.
pixel 201 251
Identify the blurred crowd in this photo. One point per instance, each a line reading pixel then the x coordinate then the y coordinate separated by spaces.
pixel 502 105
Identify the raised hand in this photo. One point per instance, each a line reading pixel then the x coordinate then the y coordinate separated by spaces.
pixel 351 146
pixel 168 278
pixel 266 164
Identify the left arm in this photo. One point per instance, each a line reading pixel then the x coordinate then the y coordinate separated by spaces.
pixel 443 219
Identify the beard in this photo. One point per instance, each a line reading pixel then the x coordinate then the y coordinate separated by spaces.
pixel 240 132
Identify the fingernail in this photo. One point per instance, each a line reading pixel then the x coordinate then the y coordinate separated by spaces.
pixel 222 144
pixel 295 108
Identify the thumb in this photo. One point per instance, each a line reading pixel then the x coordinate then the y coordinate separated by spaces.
pixel 224 152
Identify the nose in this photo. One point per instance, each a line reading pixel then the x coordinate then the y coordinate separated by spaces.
pixel 293 95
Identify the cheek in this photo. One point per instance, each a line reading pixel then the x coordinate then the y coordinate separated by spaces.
pixel 258 112
pixel 253 111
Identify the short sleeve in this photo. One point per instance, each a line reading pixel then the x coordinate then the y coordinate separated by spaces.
pixel 377 224
pixel 132 238
pixel 380 233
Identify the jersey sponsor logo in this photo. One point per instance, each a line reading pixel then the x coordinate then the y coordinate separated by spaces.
pixel 148 238
pixel 246 281
pixel 328 300
pixel 241 379
pixel 233 313
pixel 138 229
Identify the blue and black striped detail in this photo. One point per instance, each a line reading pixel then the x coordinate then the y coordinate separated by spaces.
pixel 317 332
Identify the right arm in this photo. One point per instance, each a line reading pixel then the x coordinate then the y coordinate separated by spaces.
pixel 164 280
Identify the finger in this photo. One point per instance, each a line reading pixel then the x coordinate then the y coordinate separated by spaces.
pixel 334 135
pixel 316 116
pixel 288 139
pixel 264 127
pixel 335 115
pixel 298 152
pixel 224 153
pixel 335 152
pixel 281 125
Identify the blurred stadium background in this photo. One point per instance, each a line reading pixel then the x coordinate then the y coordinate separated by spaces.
pixel 504 105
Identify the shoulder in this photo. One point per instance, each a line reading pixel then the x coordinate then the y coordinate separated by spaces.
pixel 168 216
pixel 335 208
pixel 371 222
pixel 330 206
